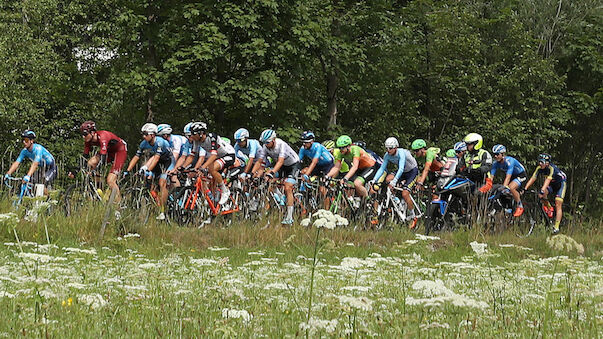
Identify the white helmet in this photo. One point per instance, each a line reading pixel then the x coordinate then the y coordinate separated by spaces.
pixel 164 129
pixel 391 142
pixel 241 134
pixel 149 128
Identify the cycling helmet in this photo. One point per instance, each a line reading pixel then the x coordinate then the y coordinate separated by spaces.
pixel 226 139
pixel 241 134
pixel 87 127
pixel 343 141
pixel 267 136
pixel 475 139
pixel 329 144
pixel 149 128
pixel 187 129
pixel 29 134
pixel 164 129
pixel 307 136
pixel 361 144
pixel 499 149
pixel 198 127
pixel 544 158
pixel 450 153
pixel 460 146
pixel 418 144
pixel 391 142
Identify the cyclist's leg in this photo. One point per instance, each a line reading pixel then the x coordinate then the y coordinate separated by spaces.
pixel 408 179
pixel 559 204
pixel 49 176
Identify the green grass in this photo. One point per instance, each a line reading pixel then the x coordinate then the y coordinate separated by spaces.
pixel 174 281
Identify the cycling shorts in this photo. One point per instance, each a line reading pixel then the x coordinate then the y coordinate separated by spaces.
pixel 322 170
pixel 164 165
pixel 519 178
pixel 226 161
pixel 366 174
pixel 559 189
pixel 46 174
pixel 118 159
pixel 407 179
pixel 290 172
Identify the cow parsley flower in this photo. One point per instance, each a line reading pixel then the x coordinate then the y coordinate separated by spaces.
pixel 235 314
pixel 315 325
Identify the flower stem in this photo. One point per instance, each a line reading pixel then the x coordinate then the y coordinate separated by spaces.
pixel 312 277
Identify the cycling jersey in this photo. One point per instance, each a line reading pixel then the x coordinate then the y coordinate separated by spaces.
pixel 37 154
pixel 509 165
pixel 214 145
pixel 366 160
pixel 432 155
pixel 193 149
pixel 107 142
pixel 405 161
pixel 177 143
pixel 253 149
pixel 281 150
pixel 160 146
pixel 317 151
pixel 552 172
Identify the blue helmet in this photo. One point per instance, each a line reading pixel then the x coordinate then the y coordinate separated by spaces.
pixel 29 134
pixel 164 129
pixel 267 136
pixel 241 134
pixel 187 129
pixel 307 136
pixel 460 146
pixel 499 149
pixel 543 157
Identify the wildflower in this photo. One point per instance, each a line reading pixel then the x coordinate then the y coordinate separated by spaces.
pixel 321 222
pixel 69 301
pixel 315 325
pixel 305 222
pixel 561 242
pixel 235 314
pixel 93 300
pixel 361 303
pixel 478 248
pixel 426 237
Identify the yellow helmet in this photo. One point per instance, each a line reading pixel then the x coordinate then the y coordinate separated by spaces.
pixel 475 139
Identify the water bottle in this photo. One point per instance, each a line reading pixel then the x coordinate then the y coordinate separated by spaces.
pixel 508 210
pixel 396 200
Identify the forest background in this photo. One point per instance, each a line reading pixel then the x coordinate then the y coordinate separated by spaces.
pixel 527 74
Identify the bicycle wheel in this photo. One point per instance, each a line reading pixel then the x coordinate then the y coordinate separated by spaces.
pixel 76 196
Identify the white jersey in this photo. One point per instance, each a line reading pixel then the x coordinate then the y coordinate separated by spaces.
pixel 177 142
pixel 213 144
pixel 281 150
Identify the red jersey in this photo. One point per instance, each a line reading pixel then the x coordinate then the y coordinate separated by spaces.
pixel 108 143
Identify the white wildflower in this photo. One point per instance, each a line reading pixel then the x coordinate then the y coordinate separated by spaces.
pixel 93 300
pixel 131 235
pixel 276 286
pixel 432 288
pixel 426 237
pixel 320 222
pixel 217 249
pixel 6 295
pixel 479 248
pixel 411 242
pixel 43 258
pixel 562 242
pixel 361 303
pixel 356 263
pixel 315 325
pixel 149 266
pixel 330 225
pixel 305 222
pixel 203 262
pixel 235 314
pixel 91 251
pixel 256 253
pixel 356 288
pixel 9 219
pixel 434 325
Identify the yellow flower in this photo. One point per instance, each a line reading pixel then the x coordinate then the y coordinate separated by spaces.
pixel 69 301
pixel 63 303
pixel 192 250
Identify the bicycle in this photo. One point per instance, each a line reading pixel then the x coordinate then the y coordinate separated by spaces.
pixel 87 188
pixel 450 204
pixel 390 208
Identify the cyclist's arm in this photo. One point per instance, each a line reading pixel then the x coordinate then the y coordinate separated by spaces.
pixel 333 172
pixel 256 168
pixel 507 180
pixel 32 168
pixel 382 168
pixel 312 165
pixel 200 162
pixel 153 161
pixel 182 161
pixel 425 172
pixel 13 167
pixel 278 165
pixel 132 163
pixel 548 179
pixel 249 165
pixel 209 161
pixel 353 169
pixel 401 164
pixel 532 179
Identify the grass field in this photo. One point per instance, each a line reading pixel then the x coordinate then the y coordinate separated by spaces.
pixel 154 280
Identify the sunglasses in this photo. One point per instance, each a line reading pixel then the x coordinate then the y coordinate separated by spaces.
pixel 458 152
pixel 85 134
pixel 497 154
pixel 144 134
pixel 390 148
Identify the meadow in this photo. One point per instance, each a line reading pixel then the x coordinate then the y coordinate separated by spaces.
pixel 58 279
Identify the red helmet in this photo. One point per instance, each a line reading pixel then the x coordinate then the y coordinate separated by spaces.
pixel 87 127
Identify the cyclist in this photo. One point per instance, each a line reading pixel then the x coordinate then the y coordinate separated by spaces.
pixel 460 149
pixel 40 157
pixel 177 143
pixel 252 149
pixel 192 154
pixel 515 175
pixel 477 160
pixel 363 165
pixel 330 146
pixel 287 166
pixel 112 149
pixel 554 182
pixel 158 165
pixel 320 157
pixel 406 173
pixel 431 156
pixel 221 156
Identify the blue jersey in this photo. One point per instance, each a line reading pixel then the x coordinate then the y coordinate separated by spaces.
pixel 405 161
pixel 510 166
pixel 551 172
pixel 252 150
pixel 160 146
pixel 37 154
pixel 317 150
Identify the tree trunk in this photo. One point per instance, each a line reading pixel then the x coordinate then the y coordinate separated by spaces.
pixel 332 83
